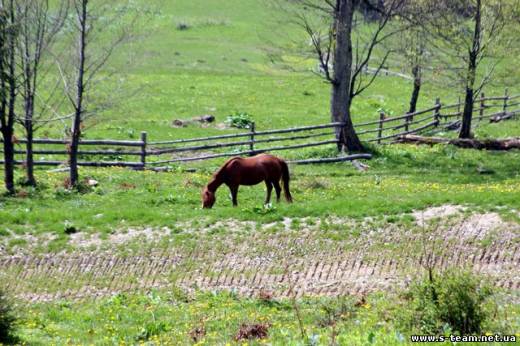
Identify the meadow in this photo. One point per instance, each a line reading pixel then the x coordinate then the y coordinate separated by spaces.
pixel 192 58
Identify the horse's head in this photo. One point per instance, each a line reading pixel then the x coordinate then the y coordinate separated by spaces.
pixel 208 198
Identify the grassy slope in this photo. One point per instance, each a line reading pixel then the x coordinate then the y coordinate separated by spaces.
pixel 219 66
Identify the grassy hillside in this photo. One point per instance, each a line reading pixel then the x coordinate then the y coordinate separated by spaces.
pixel 189 58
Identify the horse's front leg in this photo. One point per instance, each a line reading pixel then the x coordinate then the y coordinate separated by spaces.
pixel 269 190
pixel 234 193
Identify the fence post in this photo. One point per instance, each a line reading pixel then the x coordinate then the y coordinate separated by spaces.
pixel 458 107
pixel 252 139
pixel 143 148
pixel 482 106
pixel 380 132
pixel 506 99
pixel 437 111
pixel 407 122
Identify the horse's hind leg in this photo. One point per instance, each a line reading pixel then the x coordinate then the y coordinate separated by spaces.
pixel 269 186
pixel 234 193
pixel 278 189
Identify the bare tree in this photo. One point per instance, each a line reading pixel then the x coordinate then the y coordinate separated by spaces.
pixel 344 52
pixel 412 46
pixel 470 33
pixel 8 87
pixel 92 24
pixel 415 58
pixel 38 26
pixel 81 13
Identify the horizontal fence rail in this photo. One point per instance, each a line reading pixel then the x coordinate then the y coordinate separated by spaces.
pixel 155 153
pixel 247 152
pixel 84 142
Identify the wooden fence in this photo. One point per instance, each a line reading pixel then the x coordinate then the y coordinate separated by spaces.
pixel 160 153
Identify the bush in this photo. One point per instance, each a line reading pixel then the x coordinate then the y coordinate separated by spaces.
pixel 455 301
pixel 7 320
pixel 240 120
pixel 338 310
pixel 151 329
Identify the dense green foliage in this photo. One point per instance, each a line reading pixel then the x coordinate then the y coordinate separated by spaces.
pixel 240 120
pixel 7 320
pixel 452 302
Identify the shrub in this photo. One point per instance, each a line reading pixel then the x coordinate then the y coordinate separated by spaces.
pixel 7 320
pixel 240 120
pixel 338 310
pixel 455 300
pixel 151 329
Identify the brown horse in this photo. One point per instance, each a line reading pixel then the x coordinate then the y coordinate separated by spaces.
pixel 249 171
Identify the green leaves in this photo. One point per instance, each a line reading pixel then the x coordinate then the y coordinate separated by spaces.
pixel 240 120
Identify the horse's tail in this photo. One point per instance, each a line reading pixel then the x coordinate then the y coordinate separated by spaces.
pixel 286 178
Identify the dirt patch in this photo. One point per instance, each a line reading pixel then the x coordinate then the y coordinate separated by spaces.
pixel 481 226
pixel 452 221
pixel 443 211
pixel 310 256
pixel 455 222
pixel 85 240
pixel 24 243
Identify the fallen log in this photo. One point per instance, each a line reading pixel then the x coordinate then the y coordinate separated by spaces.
pixel 360 166
pixel 485 144
pixel 453 126
pixel 499 117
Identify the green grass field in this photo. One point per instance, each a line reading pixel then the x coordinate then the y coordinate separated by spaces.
pixel 400 179
pixel 172 319
pixel 191 58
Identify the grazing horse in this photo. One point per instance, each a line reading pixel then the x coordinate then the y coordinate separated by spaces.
pixel 249 171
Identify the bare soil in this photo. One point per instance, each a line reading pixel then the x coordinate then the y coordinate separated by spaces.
pixel 330 257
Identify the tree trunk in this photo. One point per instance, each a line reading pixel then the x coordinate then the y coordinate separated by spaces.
pixel 349 135
pixel 29 156
pixel 78 112
pixel 416 72
pixel 7 134
pixel 340 96
pixel 467 115
pixel 73 150
pixel 29 132
pixel 465 131
pixel 8 126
